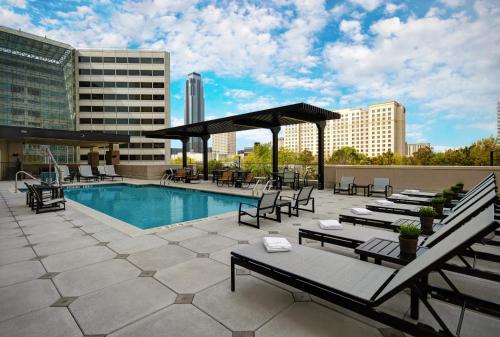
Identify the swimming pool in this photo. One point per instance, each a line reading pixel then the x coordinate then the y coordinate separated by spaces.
pixel 149 206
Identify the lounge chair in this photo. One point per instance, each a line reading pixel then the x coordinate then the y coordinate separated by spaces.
pixel 248 180
pixel 362 287
pixel 102 172
pixel 380 186
pixel 401 198
pixel 302 198
pixel 109 171
pixel 266 205
pixel 393 221
pixel 226 178
pixel 346 184
pixel 43 204
pixel 420 194
pixel 412 210
pixel 180 174
pixel 86 173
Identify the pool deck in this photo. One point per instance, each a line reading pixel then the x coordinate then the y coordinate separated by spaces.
pixel 76 273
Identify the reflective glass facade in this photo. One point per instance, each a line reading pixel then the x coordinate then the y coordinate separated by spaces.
pixel 37 87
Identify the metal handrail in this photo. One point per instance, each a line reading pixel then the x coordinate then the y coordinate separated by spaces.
pixel 26 173
pixel 254 189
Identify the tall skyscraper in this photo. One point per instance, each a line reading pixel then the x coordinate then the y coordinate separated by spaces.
pixel 379 128
pixel 194 108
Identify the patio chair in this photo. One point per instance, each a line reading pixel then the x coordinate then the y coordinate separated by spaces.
pixel 180 174
pixel 102 172
pixel 365 288
pixel 302 198
pixel 44 204
pixel 248 180
pixel 226 178
pixel 109 170
pixel 289 178
pixel 346 184
pixel 85 172
pixel 380 185
pixel 266 205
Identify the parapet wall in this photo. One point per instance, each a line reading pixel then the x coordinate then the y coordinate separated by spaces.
pixel 428 178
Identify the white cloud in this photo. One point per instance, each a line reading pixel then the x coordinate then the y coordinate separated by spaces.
pixel 256 135
pixel 442 148
pixel 352 28
pixel 453 3
pixel 452 76
pixel 49 22
pixel 17 3
pixel 239 93
pixel 176 121
pixel 260 103
pixel 392 8
pixel 368 5
pixel 338 11
pixel 289 82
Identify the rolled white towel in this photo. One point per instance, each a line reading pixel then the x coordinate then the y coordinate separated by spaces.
pixel 330 224
pixel 398 196
pixel 384 202
pixel 411 191
pixel 275 244
pixel 360 211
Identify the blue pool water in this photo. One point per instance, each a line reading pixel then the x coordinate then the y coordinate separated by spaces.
pixel 148 206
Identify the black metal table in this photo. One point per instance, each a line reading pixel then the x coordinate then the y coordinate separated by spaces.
pixel 283 203
pixel 388 250
pixel 366 189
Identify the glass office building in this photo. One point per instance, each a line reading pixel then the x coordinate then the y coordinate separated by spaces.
pixel 37 88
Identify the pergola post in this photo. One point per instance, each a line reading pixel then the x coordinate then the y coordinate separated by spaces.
pixel 205 139
pixel 275 130
pixel 184 151
pixel 321 154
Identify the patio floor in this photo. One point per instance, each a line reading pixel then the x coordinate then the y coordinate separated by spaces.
pixel 69 274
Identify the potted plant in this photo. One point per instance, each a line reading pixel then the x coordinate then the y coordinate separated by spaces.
pixel 438 204
pixel 448 195
pixel 427 215
pixel 460 186
pixel 455 189
pixel 408 238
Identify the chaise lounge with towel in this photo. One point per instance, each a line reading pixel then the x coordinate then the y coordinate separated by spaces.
pixel 404 199
pixel 363 287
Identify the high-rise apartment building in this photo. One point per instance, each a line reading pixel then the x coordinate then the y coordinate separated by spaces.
pixel 224 144
pixel 412 148
pixel 377 129
pixel 498 120
pixel 125 92
pixel 194 108
pixel 37 77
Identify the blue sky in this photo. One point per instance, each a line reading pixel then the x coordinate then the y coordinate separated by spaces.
pixel 441 59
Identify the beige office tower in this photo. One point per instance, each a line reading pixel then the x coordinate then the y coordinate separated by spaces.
pixel 125 92
pixel 412 148
pixel 372 131
pixel 224 144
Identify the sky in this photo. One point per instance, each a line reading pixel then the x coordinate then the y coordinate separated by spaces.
pixel 440 59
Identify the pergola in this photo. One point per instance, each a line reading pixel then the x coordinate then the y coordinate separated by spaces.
pixel 271 119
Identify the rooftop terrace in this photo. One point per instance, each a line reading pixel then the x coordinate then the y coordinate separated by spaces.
pixel 71 274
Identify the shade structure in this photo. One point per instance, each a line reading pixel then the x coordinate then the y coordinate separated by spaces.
pixel 271 119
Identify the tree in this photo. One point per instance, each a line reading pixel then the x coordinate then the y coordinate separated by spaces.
pixel 347 156
pixel 305 157
pixel 423 156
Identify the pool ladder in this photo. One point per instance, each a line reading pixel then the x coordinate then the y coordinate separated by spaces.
pixel 166 178
pixel 267 187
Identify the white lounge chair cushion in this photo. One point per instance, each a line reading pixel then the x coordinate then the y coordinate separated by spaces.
pixel 384 202
pixel 53 201
pixel 360 211
pixel 398 196
pixel 411 191
pixel 330 224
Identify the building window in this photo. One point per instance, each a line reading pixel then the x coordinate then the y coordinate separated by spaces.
pixel 121 72
pixel 85 121
pixel 146 72
pixel 121 60
pixel 121 84
pixel 96 71
pixel 135 157
pixel 123 157
pixel 146 109
pixel 83 59
pixel 85 96
pixel 146 85
pixel 147 145
pixel 159 157
pixel 159 121
pixel 146 97
pixel 158 109
pixel 158 85
pixel 109 72
pixel 96 59
pixel 158 60
pixel 134 109
pixel 85 108
pixel 84 71
pixel 158 73
pixel 84 84
pixel 134 72
pixel 158 97
pixel 84 157
pixel 147 157
pixel 109 60
pixel 121 109
pixel 97 109
pixel 159 145
pixel 133 60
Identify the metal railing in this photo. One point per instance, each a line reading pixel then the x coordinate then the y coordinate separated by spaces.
pixel 25 173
